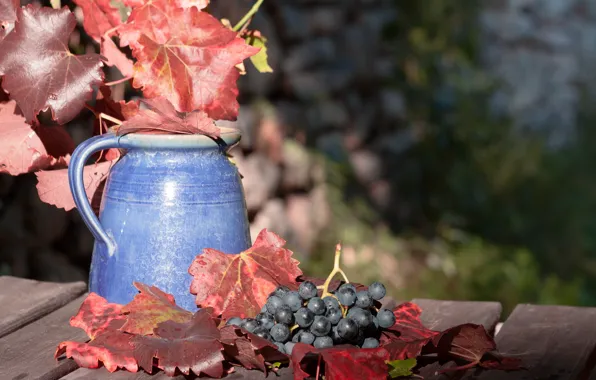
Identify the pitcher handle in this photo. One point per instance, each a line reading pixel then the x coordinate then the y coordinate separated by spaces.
pixel 77 187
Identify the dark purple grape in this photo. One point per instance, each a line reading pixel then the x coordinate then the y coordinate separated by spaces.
pixel 280 347
pixel 377 290
pixel 386 318
pixel 266 320
pixel 280 291
pixel 293 300
pixel 284 315
pixel 273 302
pixel 334 315
pixel 262 332
pixel 361 316
pixel 370 343
pixel 307 337
pixel 317 306
pixel 289 346
pixel 347 285
pixel 331 302
pixel 335 335
pixel 304 317
pixel 363 299
pixel 323 342
pixel 321 326
pixel 307 290
pixel 296 337
pixel 280 333
pixel 250 324
pixel 235 321
pixel 347 329
pixel 346 296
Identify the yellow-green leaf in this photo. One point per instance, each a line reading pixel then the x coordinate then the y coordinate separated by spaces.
pixel 259 60
pixel 401 368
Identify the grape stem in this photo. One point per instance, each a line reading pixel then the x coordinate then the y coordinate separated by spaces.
pixel 247 16
pixel 336 270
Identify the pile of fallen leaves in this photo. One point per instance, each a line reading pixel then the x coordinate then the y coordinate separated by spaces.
pixel 153 332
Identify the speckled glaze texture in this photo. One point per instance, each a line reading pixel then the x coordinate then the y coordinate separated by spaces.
pixel 164 201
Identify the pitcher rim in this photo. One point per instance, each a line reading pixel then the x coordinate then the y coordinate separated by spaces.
pixel 228 137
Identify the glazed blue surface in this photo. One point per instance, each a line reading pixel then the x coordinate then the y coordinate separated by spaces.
pixel 164 201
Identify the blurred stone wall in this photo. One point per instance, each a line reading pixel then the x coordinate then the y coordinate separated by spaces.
pixel 329 94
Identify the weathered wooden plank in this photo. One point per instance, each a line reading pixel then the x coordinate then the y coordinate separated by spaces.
pixel 28 353
pixel 103 374
pixel 441 315
pixel 553 342
pixel 24 301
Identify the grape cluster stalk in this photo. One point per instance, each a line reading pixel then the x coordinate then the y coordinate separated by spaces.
pixel 314 315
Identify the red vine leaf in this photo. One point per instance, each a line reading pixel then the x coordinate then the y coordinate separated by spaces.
pixel 8 16
pixel 408 336
pixel 52 185
pixel 112 348
pixel 149 308
pixel 99 16
pixel 96 315
pixel 341 363
pixel 115 57
pixel 163 118
pixel 40 72
pixel 189 58
pixel 199 4
pixel 24 149
pixel 249 350
pixel 238 284
pixel 120 110
pixel 192 346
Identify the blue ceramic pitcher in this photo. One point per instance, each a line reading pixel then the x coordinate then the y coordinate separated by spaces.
pixel 167 198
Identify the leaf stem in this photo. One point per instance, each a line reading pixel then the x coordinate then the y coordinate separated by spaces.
pixel 110 118
pixel 122 80
pixel 336 269
pixel 247 16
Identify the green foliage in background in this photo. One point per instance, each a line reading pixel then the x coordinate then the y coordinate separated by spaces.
pixel 495 213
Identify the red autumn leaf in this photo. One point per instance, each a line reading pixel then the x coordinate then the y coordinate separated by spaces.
pixel 149 308
pixel 24 149
pixel 120 110
pixel 53 188
pixel 497 362
pixel 115 57
pixel 189 57
pixel 162 118
pixel 192 346
pixel 112 348
pixel 238 284
pixel 249 350
pixel 40 72
pixel 341 363
pixel 96 315
pixel 99 16
pixel 408 336
pixel 199 4
pixel 8 16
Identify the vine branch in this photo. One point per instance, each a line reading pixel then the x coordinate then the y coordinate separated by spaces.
pixel 247 16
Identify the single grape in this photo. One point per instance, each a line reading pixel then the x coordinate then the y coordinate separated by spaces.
pixel 280 333
pixel 304 317
pixel 264 308
pixel 335 335
pixel 316 305
pixel 306 337
pixel 289 346
pixel 386 318
pixel 323 342
pixel 293 300
pixel 273 302
pixel 262 332
pixel 266 320
pixel 331 302
pixel 347 329
pixel 280 346
pixel 235 321
pixel 347 285
pixel 364 299
pixel 359 339
pixel 333 315
pixel 284 315
pixel 361 316
pixel 321 326
pixel 376 321
pixel 346 296
pixel 250 324
pixel 280 291
pixel 370 343
pixel 307 290
pixel 377 290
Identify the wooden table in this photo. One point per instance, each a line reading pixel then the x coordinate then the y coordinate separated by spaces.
pixel 554 342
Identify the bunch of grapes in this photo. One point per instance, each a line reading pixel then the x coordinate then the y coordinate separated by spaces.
pixel 347 316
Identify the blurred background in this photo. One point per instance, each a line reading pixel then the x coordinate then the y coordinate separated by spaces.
pixel 447 144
